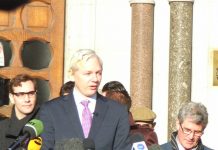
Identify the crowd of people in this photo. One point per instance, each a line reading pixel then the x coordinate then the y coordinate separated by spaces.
pixel 83 112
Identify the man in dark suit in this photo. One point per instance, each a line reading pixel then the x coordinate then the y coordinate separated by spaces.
pixel 63 116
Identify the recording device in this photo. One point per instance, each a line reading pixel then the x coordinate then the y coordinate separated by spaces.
pixel 95 114
pixel 75 144
pixel 88 144
pixel 31 130
pixel 138 142
pixel 69 144
pixel 35 144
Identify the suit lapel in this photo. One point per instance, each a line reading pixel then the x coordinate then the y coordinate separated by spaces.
pixel 100 112
pixel 72 113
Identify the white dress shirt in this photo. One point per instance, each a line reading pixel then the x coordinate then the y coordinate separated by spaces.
pixel 180 146
pixel 79 98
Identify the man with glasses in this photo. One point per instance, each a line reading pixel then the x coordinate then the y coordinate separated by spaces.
pixel 22 94
pixel 192 120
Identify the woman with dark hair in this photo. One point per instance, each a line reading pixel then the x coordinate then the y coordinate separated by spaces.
pixel 143 121
pixel 67 88
pixel 116 91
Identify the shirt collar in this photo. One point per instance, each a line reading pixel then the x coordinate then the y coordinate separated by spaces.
pixel 78 96
pixel 180 145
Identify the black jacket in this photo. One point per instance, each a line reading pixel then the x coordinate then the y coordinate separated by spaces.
pixel 172 144
pixel 11 128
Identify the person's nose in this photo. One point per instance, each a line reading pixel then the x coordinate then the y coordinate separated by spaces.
pixel 26 98
pixel 95 77
pixel 191 135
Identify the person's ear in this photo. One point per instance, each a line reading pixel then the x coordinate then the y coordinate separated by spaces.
pixel 70 75
pixel 153 124
pixel 177 124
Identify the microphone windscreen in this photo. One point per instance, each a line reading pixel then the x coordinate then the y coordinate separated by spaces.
pixel 34 127
pixel 136 137
pixel 31 130
pixel 35 144
pixel 69 144
pixel 138 142
pixel 88 144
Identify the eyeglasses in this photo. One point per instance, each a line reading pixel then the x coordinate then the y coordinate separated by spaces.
pixel 188 131
pixel 23 94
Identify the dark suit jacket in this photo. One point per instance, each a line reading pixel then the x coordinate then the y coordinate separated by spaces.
pixel 11 128
pixel 110 125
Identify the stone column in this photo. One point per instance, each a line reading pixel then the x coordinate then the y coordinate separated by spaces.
pixel 180 63
pixel 142 52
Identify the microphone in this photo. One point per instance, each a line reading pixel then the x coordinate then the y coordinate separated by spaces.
pixel 31 130
pixel 69 144
pixel 88 144
pixel 138 142
pixel 35 144
pixel 95 114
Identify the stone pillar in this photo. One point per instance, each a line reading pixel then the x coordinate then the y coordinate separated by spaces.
pixel 142 52
pixel 180 63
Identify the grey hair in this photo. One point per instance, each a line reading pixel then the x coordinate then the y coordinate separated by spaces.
pixel 196 111
pixel 81 56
